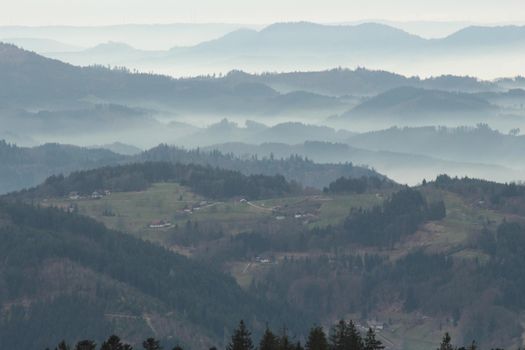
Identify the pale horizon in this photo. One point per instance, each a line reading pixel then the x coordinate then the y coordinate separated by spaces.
pixel 118 12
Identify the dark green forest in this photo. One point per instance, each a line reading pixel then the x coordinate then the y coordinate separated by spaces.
pixel 293 168
pixel 357 185
pixel 211 182
pixel 25 167
pixel 110 273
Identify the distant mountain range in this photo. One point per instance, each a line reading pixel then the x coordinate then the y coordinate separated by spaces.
pixel 31 80
pixel 44 99
pixel 310 46
pixel 144 36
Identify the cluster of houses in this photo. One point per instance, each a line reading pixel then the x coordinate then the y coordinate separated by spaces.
pixel 297 216
pixel 195 207
pixel 159 224
pixel 95 195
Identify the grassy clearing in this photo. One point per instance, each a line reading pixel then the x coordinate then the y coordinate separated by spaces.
pixel 335 208
pixel 452 234
pixel 134 211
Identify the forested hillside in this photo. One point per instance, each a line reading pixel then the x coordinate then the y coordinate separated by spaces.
pixel 292 167
pixel 26 167
pixel 210 182
pixel 410 259
pixel 84 281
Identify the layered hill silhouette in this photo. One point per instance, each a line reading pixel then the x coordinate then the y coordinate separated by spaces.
pixel 25 167
pixel 406 102
pixel 307 44
pixel 33 80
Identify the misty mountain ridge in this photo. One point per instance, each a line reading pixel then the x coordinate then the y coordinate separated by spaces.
pixel 281 46
pixel 360 82
pixel 143 36
pixel 111 47
pixel 410 101
pixel 307 36
pixel 34 74
pixel 496 36
pixel 41 45
pixel 463 144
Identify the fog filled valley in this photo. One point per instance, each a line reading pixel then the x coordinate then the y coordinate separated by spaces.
pixel 168 181
pixel 406 128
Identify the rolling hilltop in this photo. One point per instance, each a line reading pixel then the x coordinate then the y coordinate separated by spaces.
pixel 408 101
pixel 27 167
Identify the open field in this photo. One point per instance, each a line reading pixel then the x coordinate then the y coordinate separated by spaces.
pixel 134 212
pixel 175 206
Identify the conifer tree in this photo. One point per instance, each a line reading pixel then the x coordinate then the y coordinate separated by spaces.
pixel 63 346
pixel 269 341
pixel 317 339
pixel 371 342
pixel 446 343
pixel 151 344
pixel 353 340
pixel 344 336
pixel 86 345
pixel 114 343
pixel 241 339
pixel 284 341
pixel 337 336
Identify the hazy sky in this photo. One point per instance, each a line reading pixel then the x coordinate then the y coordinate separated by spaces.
pixel 96 12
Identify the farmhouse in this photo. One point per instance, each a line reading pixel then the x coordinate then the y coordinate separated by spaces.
pixel 160 224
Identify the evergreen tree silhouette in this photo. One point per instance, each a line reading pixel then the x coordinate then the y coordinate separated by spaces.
pixel 241 339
